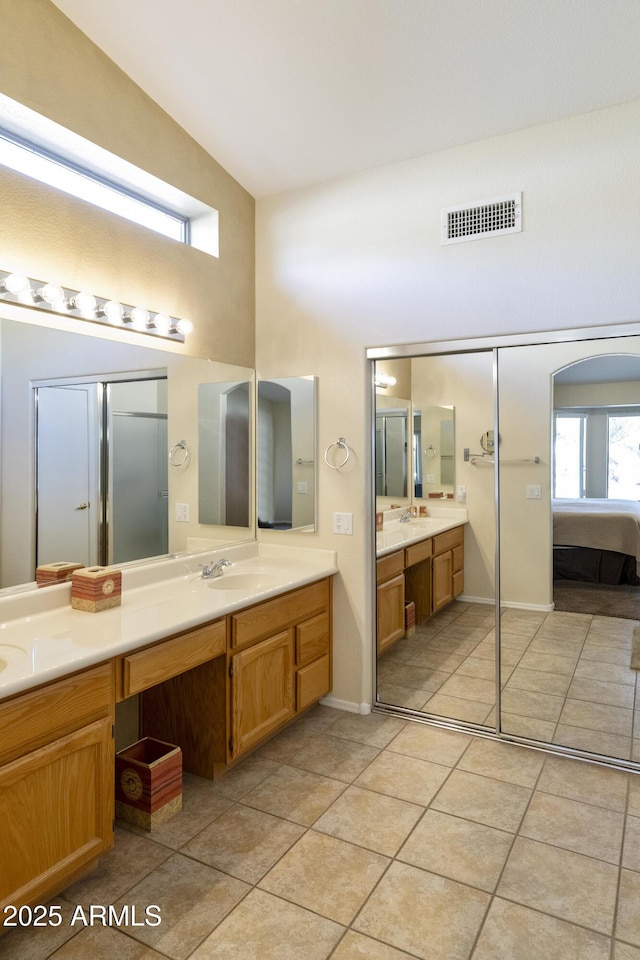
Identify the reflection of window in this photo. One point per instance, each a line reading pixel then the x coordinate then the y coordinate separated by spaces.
pixel 569 455
pixel 597 453
pixel 623 446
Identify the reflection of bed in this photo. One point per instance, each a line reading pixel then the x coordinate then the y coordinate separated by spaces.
pixel 596 540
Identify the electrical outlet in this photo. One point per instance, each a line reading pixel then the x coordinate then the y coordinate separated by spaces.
pixel 182 512
pixel 343 523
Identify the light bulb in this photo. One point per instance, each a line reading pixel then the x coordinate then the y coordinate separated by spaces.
pixel 185 327
pixel 85 303
pixel 161 322
pixel 113 311
pixel 16 284
pixel 52 294
pixel 139 317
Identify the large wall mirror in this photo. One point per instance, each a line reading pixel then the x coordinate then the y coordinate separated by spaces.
pixel 88 425
pixel 286 454
pixel 547 652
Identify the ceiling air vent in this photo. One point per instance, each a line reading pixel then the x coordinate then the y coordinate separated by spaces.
pixel 487 218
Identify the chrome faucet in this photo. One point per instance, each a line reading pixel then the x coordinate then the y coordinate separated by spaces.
pixel 212 570
pixel 406 516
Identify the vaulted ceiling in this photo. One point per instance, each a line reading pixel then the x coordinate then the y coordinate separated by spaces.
pixel 285 93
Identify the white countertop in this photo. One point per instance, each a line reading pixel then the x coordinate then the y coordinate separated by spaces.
pixel 42 638
pixel 397 533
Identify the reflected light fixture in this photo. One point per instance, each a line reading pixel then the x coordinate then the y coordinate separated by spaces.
pixel 53 298
pixel 383 380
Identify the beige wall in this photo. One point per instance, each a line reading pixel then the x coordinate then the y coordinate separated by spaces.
pixel 48 65
pixel 357 262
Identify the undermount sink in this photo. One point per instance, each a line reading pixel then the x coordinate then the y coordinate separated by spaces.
pixel 8 654
pixel 248 582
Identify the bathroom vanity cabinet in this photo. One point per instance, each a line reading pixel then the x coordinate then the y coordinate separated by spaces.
pixel 278 662
pixel 56 784
pixel 217 690
pixel 430 572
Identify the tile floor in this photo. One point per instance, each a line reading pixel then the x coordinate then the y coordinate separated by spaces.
pixel 565 676
pixel 373 837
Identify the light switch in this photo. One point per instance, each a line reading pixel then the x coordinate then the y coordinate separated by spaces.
pixel 182 512
pixel 343 523
pixel 534 491
pixel 303 486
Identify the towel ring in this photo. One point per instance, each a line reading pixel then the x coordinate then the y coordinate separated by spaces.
pixel 430 452
pixel 175 458
pixel 340 442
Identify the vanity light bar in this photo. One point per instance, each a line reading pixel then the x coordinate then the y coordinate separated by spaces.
pixel 19 289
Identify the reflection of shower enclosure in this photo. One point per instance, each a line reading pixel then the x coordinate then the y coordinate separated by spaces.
pixel 101 471
pixel 391 453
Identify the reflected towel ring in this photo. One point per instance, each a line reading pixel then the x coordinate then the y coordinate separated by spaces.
pixel 340 442
pixel 176 459
pixel 430 452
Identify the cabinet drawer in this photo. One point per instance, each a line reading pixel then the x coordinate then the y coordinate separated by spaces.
pixel 265 619
pixel 312 682
pixel 312 639
pixel 418 552
pixel 33 719
pixel 448 540
pixel 157 664
pixel 389 566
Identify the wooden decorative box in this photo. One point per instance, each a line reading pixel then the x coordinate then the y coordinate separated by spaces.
pixel 148 782
pixel 50 573
pixel 96 588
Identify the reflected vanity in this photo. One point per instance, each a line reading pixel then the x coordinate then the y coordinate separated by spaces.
pixel 535 649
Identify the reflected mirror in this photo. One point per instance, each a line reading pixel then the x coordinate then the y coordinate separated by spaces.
pixel 153 396
pixel 286 454
pixel 224 453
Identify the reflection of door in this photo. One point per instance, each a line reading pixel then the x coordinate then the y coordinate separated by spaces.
pixel 391 453
pixel 67 498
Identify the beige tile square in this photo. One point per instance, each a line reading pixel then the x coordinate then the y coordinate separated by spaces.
pixel 431 743
pixel 529 727
pixel 458 708
pixel 567 885
pixel 38 943
pixel 548 663
pixel 602 691
pixel 99 943
pixel 373 729
pixel 244 842
pixel 397 695
pixel 264 927
pixel 492 802
pixel 423 678
pixel 354 946
pixel 631 850
pixel 606 744
pixel 502 761
pixel 585 781
pixel 201 803
pixel 526 703
pixel 406 778
pixel 597 716
pixel 427 916
pixel 371 820
pixel 295 795
pixel 560 646
pixel 628 923
pixel 129 860
pixel 634 796
pixel 622 951
pixel 334 757
pixel 469 688
pixel 193 899
pixel 243 778
pixel 598 653
pixel 611 672
pixel 307 874
pixel 513 932
pixel 481 669
pixel 538 681
pixel 572 825
pixel 287 743
pixel 459 849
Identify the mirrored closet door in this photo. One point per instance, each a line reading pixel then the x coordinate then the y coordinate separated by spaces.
pixel 528 625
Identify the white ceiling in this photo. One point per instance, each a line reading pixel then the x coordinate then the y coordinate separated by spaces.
pixel 285 93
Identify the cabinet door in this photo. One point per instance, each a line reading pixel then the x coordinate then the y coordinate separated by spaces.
pixel 390 612
pixel 442 585
pixel 261 690
pixel 58 803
